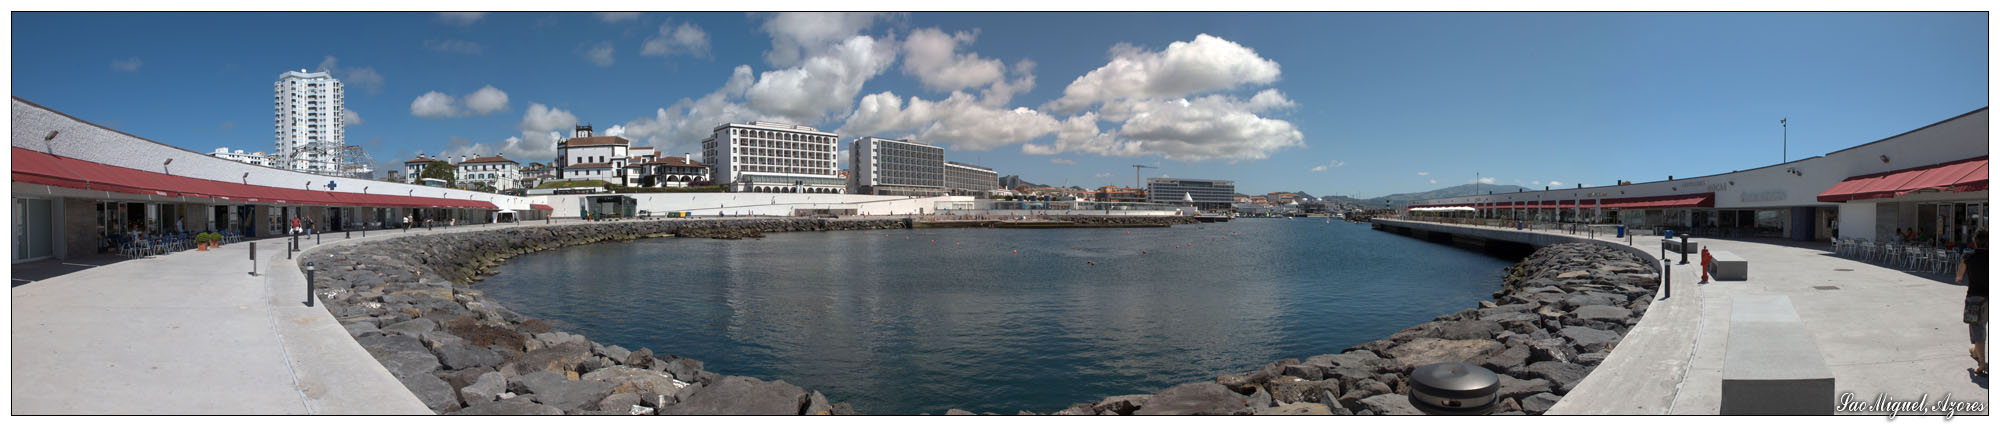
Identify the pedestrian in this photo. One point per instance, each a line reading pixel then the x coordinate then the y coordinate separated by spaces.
pixel 309 226
pixel 406 223
pixel 180 225
pixel 1972 272
pixel 295 226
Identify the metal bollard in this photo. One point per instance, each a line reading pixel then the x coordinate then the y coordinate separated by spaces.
pixel 1666 279
pixel 253 258
pixel 349 235
pixel 293 248
pixel 309 283
pixel 316 237
pixel 1684 249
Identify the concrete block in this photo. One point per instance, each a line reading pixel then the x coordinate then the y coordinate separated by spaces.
pixel 1771 365
pixel 1675 246
pixel 1728 266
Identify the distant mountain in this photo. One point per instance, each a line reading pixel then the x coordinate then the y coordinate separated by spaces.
pixel 1015 181
pixel 1401 199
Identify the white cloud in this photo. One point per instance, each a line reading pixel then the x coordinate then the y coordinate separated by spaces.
pixel 617 16
pixel 1434 181
pixel 486 100
pixel 599 53
pixel 1062 161
pixel 127 65
pixel 461 18
pixel 541 118
pixel 349 117
pixel 1211 127
pixel 1206 64
pixel 823 84
pixel 932 56
pixel 1423 174
pixel 513 148
pixel 1537 182
pixel 683 39
pixel 1103 175
pixel 1555 183
pixel 434 105
pixel 1328 165
pixel 1490 180
pixel 455 46
pixel 961 121
pixel 690 120
pixel 437 105
pixel 796 36
pixel 615 130
pixel 359 77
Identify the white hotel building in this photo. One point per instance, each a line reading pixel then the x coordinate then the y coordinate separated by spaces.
pixel 897 167
pixel 308 122
pixel 494 171
pixel 766 157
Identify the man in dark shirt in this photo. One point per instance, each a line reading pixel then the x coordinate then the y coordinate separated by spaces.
pixel 1974 268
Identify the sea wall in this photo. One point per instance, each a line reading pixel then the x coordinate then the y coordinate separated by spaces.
pixel 1558 313
pixel 410 303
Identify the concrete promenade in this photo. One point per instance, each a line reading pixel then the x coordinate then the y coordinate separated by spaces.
pixel 1880 330
pixel 193 333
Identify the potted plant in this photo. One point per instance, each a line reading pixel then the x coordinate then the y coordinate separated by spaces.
pixel 207 240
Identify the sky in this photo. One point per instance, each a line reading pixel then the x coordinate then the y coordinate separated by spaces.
pixel 1358 104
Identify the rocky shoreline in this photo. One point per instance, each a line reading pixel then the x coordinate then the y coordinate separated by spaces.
pixel 408 302
pixel 1558 313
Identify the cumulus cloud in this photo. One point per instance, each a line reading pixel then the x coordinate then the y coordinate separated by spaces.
pixel 1555 183
pixel 690 120
pixel 932 56
pixel 960 121
pixel 455 46
pixel 796 36
pixel 617 16
pixel 128 65
pixel 614 130
pixel 1206 64
pixel 597 53
pixel 1490 180
pixel 349 117
pixel 461 18
pixel 823 84
pixel 683 39
pixel 542 118
pixel 1062 161
pixel 1210 127
pixel 437 105
pixel 359 77
pixel 513 148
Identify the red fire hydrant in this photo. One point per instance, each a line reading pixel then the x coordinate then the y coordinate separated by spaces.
pixel 1706 260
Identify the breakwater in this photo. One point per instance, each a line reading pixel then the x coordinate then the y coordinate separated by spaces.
pixel 408 301
pixel 1558 313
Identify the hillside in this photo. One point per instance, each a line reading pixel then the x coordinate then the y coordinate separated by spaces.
pixel 1400 199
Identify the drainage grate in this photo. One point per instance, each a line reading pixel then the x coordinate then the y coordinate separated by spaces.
pixel 1827 288
pixel 1843 269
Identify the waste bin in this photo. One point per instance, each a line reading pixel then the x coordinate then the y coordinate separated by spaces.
pixel 1669 234
pixel 1621 231
pixel 1517 225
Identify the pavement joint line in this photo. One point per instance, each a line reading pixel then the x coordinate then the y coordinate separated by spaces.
pixel 1689 365
pixel 271 319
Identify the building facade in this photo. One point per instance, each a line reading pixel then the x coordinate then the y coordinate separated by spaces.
pixel 964 179
pixel 493 171
pixel 585 156
pixel 309 133
pixel 670 172
pixel 766 157
pixel 1208 194
pixel 897 167
pixel 1932 180
pixel 257 158
pixel 414 168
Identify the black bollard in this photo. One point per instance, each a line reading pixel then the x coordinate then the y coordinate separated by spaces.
pixel 316 237
pixel 349 235
pixel 309 283
pixel 1666 279
pixel 253 258
pixel 293 248
pixel 1684 249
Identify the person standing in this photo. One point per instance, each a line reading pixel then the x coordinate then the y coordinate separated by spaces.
pixel 295 226
pixel 1972 272
pixel 309 226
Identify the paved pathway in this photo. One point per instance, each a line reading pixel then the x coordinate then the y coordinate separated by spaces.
pixel 194 333
pixel 1882 330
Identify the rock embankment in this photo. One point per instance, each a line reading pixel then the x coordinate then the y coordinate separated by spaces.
pixel 1558 313
pixel 407 302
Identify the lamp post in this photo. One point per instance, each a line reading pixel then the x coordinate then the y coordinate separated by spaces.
pixel 1784 141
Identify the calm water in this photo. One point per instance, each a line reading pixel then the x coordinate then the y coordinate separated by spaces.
pixel 896 324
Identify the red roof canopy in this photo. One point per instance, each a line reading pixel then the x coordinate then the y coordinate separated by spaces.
pixel 1961 176
pixel 36 167
pixel 541 207
pixel 1703 200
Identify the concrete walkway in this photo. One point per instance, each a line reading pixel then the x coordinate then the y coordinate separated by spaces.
pixel 1881 331
pixel 194 333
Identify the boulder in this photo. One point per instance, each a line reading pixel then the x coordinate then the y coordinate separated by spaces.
pixel 357 329
pixel 1602 312
pixel 1363 389
pixel 566 357
pixel 1297 409
pixel 1304 371
pixel 573 395
pixel 642 358
pixel 1563 376
pixel 530 382
pixel 1302 391
pixel 1590 340
pixel 412 327
pixel 1539 403
pixel 743 396
pixel 622 402
pixel 434 392
pixel 626 379
pixel 1244 383
pixel 410 364
pixel 1121 405
pixel 1424 351
pixel 486 389
pixel 461 356
pixel 816 404
pixel 1550 350
pixel 1262 398
pixel 1202 398
pixel 1389 404
pixel 1516 388
pixel 510 407
pixel 684 369
pixel 1512 358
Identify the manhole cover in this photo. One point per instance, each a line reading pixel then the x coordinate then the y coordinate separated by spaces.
pixel 1843 269
pixel 1827 288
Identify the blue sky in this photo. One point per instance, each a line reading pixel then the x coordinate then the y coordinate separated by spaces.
pixel 1361 104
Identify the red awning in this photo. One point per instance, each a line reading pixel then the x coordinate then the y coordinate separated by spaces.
pixel 35 167
pixel 542 207
pixel 1703 200
pixel 1961 176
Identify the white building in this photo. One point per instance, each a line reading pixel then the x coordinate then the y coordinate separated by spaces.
pixel 308 122
pixel 585 156
pixel 414 168
pixel 963 179
pixel 767 157
pixel 257 158
pixel 897 167
pixel 495 171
